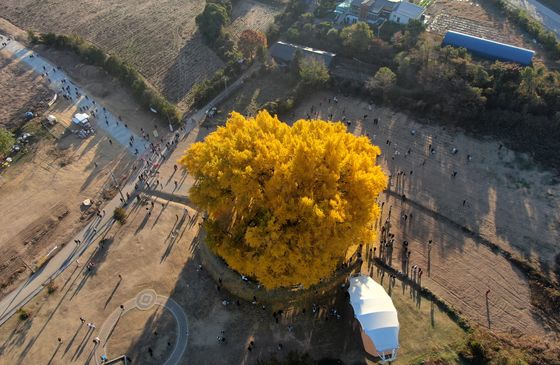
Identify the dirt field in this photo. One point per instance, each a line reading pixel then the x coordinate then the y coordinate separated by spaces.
pixel 21 97
pixel 159 38
pixel 40 196
pixel 146 256
pixel 496 193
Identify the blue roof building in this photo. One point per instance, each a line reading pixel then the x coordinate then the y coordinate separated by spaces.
pixel 489 49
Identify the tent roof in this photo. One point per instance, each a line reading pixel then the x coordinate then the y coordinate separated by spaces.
pixel 375 311
pixel 80 118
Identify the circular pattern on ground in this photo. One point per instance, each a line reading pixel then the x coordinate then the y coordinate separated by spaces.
pixel 144 300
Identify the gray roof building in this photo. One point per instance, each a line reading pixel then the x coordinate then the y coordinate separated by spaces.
pixel 285 52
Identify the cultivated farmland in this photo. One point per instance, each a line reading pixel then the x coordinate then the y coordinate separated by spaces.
pixel 158 37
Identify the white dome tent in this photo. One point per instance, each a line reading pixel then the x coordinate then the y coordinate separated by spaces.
pixel 377 315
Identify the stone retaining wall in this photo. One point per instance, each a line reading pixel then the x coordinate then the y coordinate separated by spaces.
pixel 276 298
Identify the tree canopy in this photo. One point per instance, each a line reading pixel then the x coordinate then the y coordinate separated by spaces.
pixel 213 18
pixel 285 203
pixel 313 72
pixel 357 37
pixel 384 79
pixel 250 41
pixel 7 140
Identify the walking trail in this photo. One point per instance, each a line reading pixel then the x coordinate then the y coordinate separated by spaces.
pixel 110 123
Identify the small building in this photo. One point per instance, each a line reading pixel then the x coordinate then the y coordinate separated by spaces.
pixel 405 12
pixel 80 118
pixel 489 49
pixel 377 11
pixel 284 53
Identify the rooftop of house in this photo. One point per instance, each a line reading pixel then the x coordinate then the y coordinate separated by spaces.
pixel 409 10
pixel 286 52
pixel 379 5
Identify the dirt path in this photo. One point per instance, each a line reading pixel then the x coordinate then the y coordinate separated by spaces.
pixel 507 200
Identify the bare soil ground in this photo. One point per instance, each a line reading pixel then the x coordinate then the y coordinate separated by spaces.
pixel 506 200
pixel 146 256
pixel 21 97
pixel 40 195
pixel 159 38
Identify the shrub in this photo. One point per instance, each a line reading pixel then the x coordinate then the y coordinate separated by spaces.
pixel 128 76
pixel 23 314
pixel 32 36
pixel 51 287
pixel 211 21
pixel 7 140
pixel 119 214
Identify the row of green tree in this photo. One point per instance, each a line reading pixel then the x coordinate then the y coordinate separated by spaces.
pixel 211 24
pixel 251 44
pixel 129 77
pixel 519 104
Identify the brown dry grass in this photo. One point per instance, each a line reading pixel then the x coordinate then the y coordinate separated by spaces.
pixel 22 91
pixel 158 37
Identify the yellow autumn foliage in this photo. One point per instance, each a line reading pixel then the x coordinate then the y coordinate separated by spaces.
pixel 285 203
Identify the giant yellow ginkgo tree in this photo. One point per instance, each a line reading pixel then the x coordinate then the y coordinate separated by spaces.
pixel 284 202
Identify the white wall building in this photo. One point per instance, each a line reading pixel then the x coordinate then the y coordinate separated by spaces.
pixel 405 12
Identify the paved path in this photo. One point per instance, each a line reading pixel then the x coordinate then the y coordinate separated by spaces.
pixel 96 229
pixel 546 16
pixel 145 300
pixel 58 81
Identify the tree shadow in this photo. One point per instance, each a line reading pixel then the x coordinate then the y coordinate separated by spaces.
pixel 210 311
pixel 54 353
pixel 73 338
pixel 112 293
